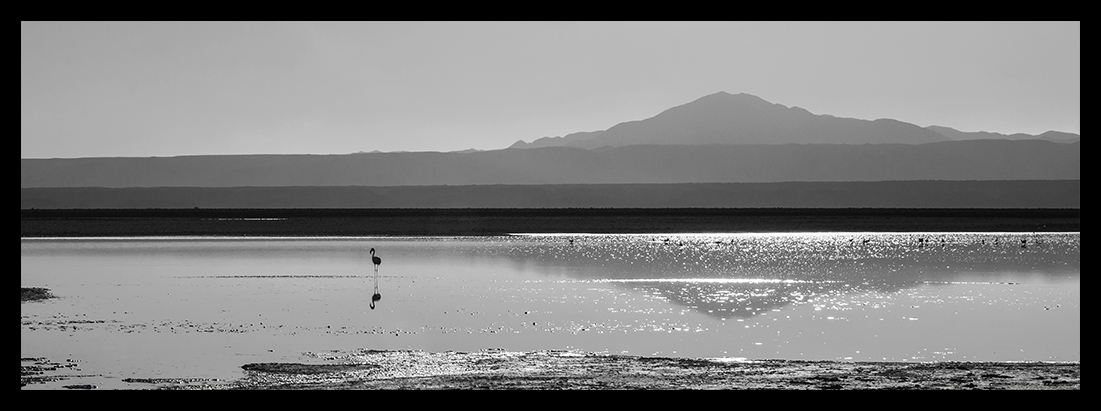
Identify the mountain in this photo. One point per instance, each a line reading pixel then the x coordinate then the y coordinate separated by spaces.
pixel 711 152
pixel 724 118
pixel 1056 136
pixel 995 159
pixel 569 140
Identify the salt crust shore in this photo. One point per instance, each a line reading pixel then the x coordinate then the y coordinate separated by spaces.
pixel 564 370
pixel 499 370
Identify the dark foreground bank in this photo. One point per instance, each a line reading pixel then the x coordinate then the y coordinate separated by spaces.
pixel 34 294
pixel 556 370
pixel 603 372
pixel 489 221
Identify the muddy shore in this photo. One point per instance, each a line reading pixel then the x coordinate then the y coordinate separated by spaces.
pixel 556 370
pixel 34 294
pixel 573 371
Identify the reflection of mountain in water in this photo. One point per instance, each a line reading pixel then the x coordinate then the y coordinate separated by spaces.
pixel 734 299
pixel 740 276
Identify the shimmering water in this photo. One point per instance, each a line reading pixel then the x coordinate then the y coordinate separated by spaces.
pixel 202 307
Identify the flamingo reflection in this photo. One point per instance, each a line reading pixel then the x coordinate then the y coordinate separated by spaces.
pixel 377 261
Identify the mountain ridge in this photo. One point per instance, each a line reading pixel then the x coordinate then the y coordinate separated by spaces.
pixel 724 118
pixel 883 194
pixel 716 163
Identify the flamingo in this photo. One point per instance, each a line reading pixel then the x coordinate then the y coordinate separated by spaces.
pixel 377 261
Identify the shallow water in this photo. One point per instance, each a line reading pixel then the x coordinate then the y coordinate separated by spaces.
pixel 202 307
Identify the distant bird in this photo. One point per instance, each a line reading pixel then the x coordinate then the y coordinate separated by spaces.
pixel 376 296
pixel 375 259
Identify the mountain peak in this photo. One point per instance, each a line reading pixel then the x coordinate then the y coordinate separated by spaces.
pixel 727 118
pixel 724 96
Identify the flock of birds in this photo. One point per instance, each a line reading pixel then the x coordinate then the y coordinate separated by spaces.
pixel 921 243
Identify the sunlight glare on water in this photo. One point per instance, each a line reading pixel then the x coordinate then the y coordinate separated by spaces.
pixel 202 307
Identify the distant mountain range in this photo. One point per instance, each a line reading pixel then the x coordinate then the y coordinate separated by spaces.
pixel 718 139
pixel 724 118
pixel 1056 136
pixel 879 194
pixel 714 163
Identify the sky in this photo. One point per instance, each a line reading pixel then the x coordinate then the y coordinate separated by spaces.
pixel 158 89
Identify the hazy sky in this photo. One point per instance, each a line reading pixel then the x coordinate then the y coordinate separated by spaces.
pixel 95 89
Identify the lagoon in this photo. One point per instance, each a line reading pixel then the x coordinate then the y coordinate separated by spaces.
pixel 200 307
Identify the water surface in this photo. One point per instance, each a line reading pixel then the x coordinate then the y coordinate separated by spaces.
pixel 202 307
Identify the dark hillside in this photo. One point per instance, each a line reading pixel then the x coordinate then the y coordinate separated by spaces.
pixel 883 194
pixel 636 164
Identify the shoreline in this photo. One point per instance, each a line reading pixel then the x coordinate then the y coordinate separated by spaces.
pixel 560 370
pixel 569 370
pixel 496 369
pixel 486 222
